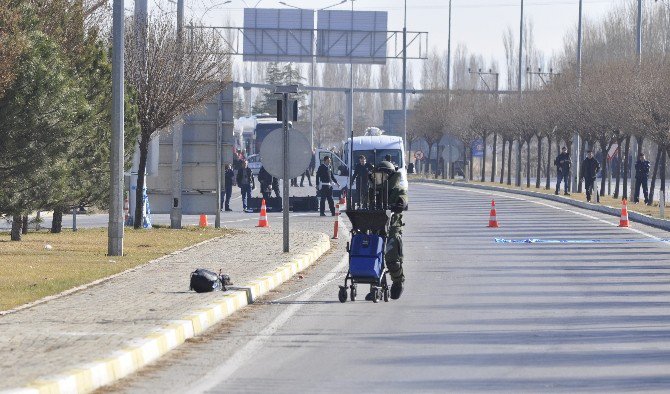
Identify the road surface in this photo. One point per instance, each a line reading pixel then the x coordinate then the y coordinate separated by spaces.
pixel 476 315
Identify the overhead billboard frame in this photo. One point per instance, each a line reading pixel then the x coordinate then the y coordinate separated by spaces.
pixel 352 37
pixel 278 35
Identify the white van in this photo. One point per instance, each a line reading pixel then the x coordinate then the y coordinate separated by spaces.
pixel 375 147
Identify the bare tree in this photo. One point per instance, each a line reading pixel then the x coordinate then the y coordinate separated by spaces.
pixel 170 80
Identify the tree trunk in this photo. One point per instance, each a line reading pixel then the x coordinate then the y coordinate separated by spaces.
pixel 653 175
pixel 617 184
pixel 471 175
pixel 57 221
pixel 580 180
pixel 640 141
pixel 663 170
pixel 509 161
pixel 528 163
pixel 517 181
pixel 603 148
pixel 483 169
pixel 494 158
pixel 626 165
pixel 139 195
pixel 538 177
pixel 502 164
pixel 24 224
pixel 547 185
pixel 16 227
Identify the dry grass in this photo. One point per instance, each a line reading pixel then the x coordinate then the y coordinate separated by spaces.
pixel 29 272
pixel 652 210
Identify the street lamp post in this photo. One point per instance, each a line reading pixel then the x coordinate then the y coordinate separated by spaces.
pixel 312 71
pixel 404 82
pixel 115 226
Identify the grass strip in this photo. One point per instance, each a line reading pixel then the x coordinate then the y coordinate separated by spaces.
pixel 30 270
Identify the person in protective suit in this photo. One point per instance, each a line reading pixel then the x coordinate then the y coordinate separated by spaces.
pixel 396 201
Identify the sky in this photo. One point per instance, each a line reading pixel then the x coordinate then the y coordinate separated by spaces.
pixel 478 24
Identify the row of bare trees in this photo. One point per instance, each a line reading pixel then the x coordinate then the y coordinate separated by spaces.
pixel 616 99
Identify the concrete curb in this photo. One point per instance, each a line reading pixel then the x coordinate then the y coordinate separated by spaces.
pixel 632 216
pixel 143 351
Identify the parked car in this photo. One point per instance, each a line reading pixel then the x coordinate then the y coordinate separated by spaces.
pixel 255 163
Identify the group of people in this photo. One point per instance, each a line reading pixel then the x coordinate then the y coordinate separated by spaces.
pixel 589 171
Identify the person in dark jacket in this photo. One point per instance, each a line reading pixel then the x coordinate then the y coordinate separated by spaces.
pixel 265 180
pixel 590 168
pixel 245 180
pixel 324 185
pixel 361 175
pixel 275 187
pixel 229 176
pixel 308 175
pixel 641 176
pixel 563 164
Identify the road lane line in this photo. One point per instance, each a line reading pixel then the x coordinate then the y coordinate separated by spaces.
pixel 513 197
pixel 224 371
pixel 242 356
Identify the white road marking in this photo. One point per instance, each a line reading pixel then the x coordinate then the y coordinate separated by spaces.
pixel 224 371
pixel 506 195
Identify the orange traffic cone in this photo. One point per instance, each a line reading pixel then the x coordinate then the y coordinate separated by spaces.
pixel 336 226
pixel 493 220
pixel 263 219
pixel 624 222
pixel 343 197
pixel 203 220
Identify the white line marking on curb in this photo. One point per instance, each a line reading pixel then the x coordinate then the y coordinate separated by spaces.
pixel 516 197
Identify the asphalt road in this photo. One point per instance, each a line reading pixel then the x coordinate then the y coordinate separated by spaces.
pixel 476 315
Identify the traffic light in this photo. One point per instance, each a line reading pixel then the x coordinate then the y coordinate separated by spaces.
pixel 292 110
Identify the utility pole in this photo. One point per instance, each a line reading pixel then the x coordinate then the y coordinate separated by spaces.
pixel 447 168
pixel 115 226
pixel 518 158
pixel 404 82
pixel 177 135
pixel 638 42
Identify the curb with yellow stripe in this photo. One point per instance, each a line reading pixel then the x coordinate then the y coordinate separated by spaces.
pixel 141 352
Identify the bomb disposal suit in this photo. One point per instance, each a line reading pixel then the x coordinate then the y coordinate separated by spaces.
pixel 395 200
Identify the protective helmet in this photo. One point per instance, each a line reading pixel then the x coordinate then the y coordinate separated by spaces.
pixel 386 166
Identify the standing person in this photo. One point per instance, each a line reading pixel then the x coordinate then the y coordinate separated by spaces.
pixel 324 184
pixel 275 187
pixel 265 180
pixel 590 168
pixel 641 175
pixel 245 180
pixel 312 163
pixel 229 176
pixel 308 175
pixel 361 175
pixel 563 164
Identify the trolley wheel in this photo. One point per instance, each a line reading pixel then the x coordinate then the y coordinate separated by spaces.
pixel 353 292
pixel 387 293
pixel 342 295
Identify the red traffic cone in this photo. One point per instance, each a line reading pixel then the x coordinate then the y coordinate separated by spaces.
pixel 203 220
pixel 493 220
pixel 343 197
pixel 624 222
pixel 263 219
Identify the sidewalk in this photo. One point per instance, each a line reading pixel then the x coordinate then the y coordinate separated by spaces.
pixel 95 324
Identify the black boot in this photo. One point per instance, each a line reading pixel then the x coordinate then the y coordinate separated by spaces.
pixel 396 290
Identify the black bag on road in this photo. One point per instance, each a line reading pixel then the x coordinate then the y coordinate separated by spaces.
pixel 205 281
